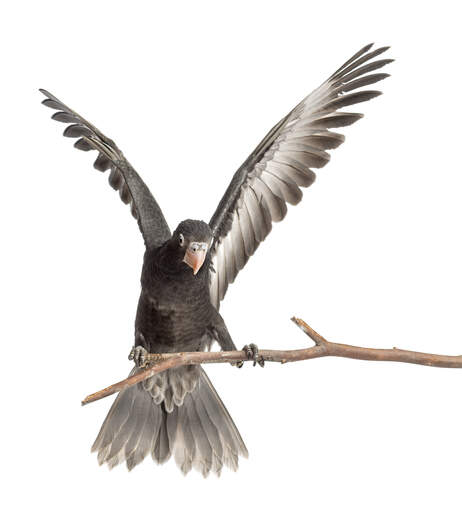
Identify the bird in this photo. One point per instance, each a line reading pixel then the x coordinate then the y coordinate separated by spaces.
pixel 185 274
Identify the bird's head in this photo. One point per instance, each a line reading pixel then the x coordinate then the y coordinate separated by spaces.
pixel 192 239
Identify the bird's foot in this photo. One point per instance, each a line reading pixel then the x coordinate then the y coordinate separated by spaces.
pixel 252 353
pixel 138 355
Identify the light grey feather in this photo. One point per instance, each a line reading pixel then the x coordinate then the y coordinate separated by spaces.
pixel 161 448
pixel 199 432
pixel 255 215
pixel 246 230
pixel 210 429
pixel 146 439
pixel 185 445
pixel 117 416
pixel 230 256
pixel 203 457
pixel 274 204
pixel 283 162
pixel 220 417
pixel 238 244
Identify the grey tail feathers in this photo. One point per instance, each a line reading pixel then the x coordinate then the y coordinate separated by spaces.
pixel 199 433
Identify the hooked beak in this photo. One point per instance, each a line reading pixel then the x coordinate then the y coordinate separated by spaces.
pixel 195 255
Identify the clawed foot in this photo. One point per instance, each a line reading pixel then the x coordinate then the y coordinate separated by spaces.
pixel 251 351
pixel 138 355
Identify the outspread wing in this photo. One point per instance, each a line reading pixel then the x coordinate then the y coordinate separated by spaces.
pixel 283 162
pixel 123 177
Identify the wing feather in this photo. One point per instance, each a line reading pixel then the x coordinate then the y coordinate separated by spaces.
pixel 282 164
pixel 132 189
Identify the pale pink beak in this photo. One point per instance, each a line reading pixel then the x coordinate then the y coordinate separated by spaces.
pixel 195 256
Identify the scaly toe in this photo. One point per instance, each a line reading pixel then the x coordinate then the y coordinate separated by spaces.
pixel 138 355
pixel 251 352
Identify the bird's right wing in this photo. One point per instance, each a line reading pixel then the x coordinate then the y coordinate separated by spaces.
pixel 123 177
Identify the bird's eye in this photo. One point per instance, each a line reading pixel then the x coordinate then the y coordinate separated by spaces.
pixel 181 240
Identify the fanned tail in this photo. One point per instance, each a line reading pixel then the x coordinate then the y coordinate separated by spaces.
pixel 155 418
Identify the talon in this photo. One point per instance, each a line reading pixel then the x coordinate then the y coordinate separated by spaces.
pixel 253 354
pixel 138 355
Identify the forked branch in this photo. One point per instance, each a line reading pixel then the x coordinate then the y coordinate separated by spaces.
pixel 158 363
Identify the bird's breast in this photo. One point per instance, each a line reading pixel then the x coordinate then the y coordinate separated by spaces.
pixel 171 319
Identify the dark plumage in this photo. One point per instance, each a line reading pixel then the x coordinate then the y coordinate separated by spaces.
pixel 186 274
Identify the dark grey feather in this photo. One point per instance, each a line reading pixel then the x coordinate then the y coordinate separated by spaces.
pixel 351 99
pixel 336 120
pixel 77 130
pixel 161 449
pixel 361 82
pixel 132 189
pixel 83 145
pixel 358 54
pixel 102 163
pixel 65 117
pixel 55 105
pixel 366 69
pixel 361 60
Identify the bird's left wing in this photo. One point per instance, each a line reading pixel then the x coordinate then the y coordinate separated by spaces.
pixel 123 177
pixel 282 163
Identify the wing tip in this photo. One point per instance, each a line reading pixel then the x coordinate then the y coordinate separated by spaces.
pixel 360 58
pixel 378 51
pixel 367 47
pixel 47 94
pixel 371 94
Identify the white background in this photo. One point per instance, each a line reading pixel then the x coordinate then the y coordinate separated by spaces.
pixel 372 256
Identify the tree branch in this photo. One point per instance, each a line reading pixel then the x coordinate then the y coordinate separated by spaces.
pixel 158 363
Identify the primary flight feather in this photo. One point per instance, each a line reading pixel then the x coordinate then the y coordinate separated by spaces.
pixel 186 274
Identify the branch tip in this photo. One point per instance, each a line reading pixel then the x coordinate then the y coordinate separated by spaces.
pixel 317 338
